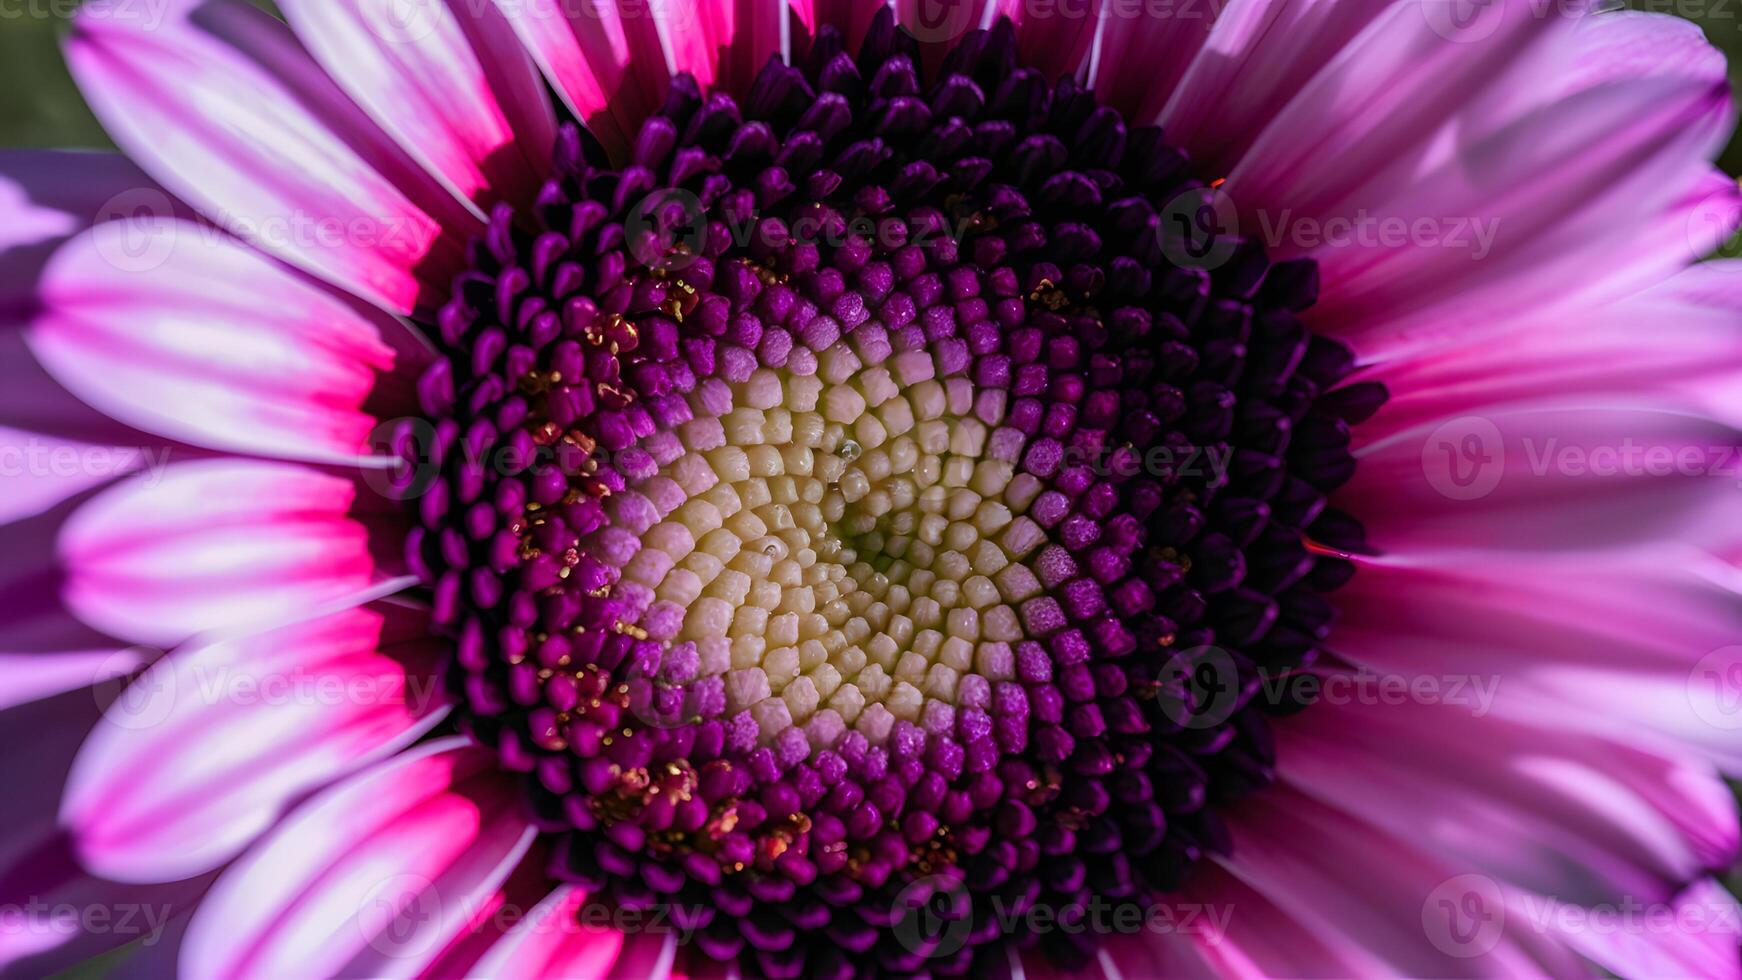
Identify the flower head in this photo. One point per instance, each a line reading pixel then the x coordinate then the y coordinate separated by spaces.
pixel 849 489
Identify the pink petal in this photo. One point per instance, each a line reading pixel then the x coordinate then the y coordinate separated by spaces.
pixel 38 868
pixel 448 80
pixel 213 742
pixel 230 544
pixel 1142 57
pixel 1241 933
pixel 607 60
pixel 1617 45
pixel 1057 39
pixel 213 344
pixel 551 940
pixel 1699 940
pixel 45 648
pixel 220 104
pixel 1512 478
pixel 1514 221
pixel 1379 105
pixel 1637 640
pixel 373 877
pixel 38 472
pixel 1688 363
pixel 1586 818
pixel 1355 885
pixel 1257 57
pixel 47 197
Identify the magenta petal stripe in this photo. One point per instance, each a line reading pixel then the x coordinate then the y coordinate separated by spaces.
pixel 346 689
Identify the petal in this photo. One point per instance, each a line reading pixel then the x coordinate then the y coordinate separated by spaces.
pixel 1688 363
pixel 1638 644
pixel 1520 478
pixel 1140 57
pixel 1692 936
pixel 552 940
pixel 1585 818
pixel 225 545
pixel 449 80
pixel 1259 54
pixel 1489 234
pixel 1355 885
pixel 47 197
pixel 607 60
pixel 212 743
pixel 1381 106
pixel 40 876
pixel 204 341
pixel 1617 45
pixel 372 877
pixel 45 648
pixel 220 104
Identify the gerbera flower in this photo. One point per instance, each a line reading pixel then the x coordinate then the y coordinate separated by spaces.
pixel 848 489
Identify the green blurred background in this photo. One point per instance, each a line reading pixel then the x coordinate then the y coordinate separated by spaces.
pixel 40 108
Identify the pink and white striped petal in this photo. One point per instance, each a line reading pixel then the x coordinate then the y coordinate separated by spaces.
pixel 228 545
pixel 213 742
pixel 374 877
pixel 220 104
pixel 212 344
pixel 450 82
